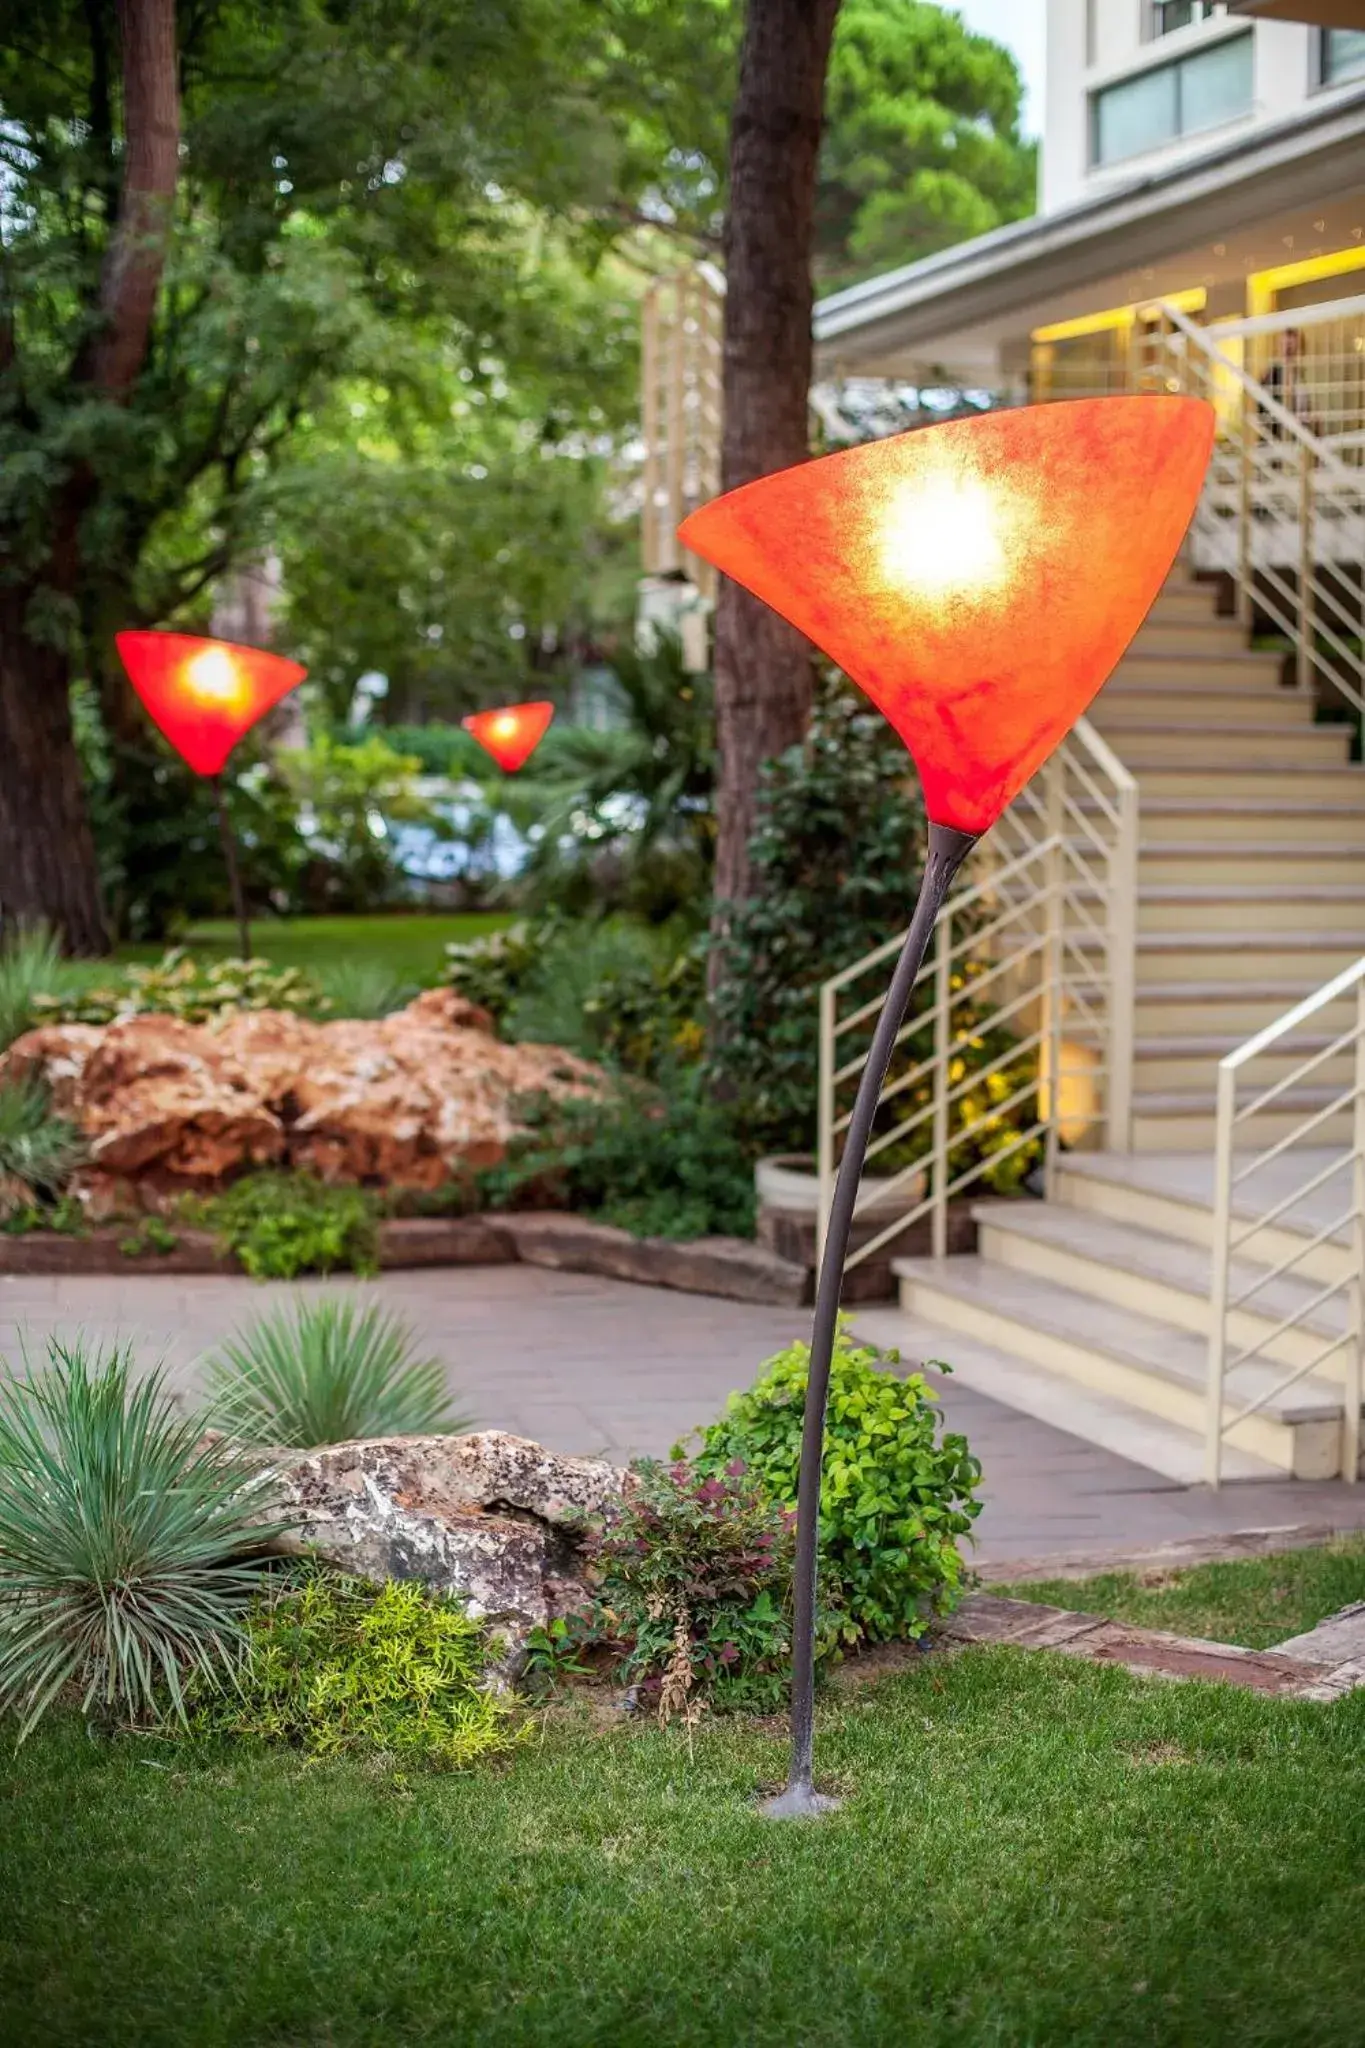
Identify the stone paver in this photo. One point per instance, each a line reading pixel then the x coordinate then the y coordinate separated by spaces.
pixel 602 1367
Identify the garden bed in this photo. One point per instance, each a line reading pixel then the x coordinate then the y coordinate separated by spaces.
pixel 730 1268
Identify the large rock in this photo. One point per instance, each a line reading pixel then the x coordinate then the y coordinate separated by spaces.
pixel 406 1101
pixel 487 1516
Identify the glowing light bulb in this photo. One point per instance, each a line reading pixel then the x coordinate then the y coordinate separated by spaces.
pixel 945 533
pixel 505 725
pixel 213 677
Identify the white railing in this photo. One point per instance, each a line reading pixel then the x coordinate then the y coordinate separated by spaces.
pixel 1020 1036
pixel 1283 509
pixel 1289 1202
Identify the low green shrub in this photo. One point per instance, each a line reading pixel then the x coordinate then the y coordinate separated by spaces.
pixel 178 985
pixel 493 970
pixel 898 1490
pixel 338 1667
pixel 328 1372
pixel 361 988
pixel 128 1544
pixel 657 1163
pixel 691 1575
pixel 39 1151
pixel 31 964
pixel 624 993
pixel 278 1225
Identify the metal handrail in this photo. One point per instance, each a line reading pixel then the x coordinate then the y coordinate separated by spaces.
pixel 1023 944
pixel 1348 1287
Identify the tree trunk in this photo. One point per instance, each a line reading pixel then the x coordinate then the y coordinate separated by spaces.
pixel 48 871
pixel 763 666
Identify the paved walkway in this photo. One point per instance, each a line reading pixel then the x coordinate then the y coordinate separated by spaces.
pixel 597 1365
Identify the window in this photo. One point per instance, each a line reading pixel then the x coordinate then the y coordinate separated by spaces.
pixel 1343 55
pixel 1200 91
pixel 1168 15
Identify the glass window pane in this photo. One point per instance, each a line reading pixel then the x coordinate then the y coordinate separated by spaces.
pixel 1343 54
pixel 1136 115
pixel 1215 86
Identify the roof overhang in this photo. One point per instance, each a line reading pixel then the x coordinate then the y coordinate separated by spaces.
pixel 1323 13
pixel 1292 164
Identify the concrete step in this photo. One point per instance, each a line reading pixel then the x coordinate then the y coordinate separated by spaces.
pixel 1125 1354
pixel 1188 1060
pixel 1145 746
pixel 1185 1120
pixel 1250 781
pixel 1248 908
pixel 1190 636
pixel 1260 704
pixel 1082 1411
pixel 1185 601
pixel 1235 1008
pixel 1173 1196
pixel 1251 862
pixel 1272 815
pixel 1123 1265
pixel 1237 669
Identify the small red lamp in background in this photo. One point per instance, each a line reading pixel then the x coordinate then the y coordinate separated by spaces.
pixel 512 734
pixel 205 695
pixel 979 581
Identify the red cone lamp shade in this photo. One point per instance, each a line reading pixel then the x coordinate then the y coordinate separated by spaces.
pixel 204 694
pixel 978 580
pixel 511 735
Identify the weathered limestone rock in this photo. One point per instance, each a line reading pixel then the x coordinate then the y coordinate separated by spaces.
pixel 488 1516
pixel 406 1101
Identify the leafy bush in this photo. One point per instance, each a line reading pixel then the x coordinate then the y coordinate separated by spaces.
pixel 39 1151
pixel 618 991
pixel 659 1164
pixel 338 1667
pixel 897 1492
pixel 180 986
pixel 278 1225
pixel 349 799
pixel 691 1574
pixel 328 1372
pixel 492 970
pixel 127 1544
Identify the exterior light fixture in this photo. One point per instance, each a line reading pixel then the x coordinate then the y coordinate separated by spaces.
pixel 979 581
pixel 512 734
pixel 205 695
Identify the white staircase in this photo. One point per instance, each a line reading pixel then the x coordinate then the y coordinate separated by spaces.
pixel 1092 1310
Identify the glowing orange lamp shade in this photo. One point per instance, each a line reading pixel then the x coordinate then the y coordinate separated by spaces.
pixel 979 579
pixel 512 734
pixel 204 694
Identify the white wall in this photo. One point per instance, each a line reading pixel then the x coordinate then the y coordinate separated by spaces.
pixel 1282 59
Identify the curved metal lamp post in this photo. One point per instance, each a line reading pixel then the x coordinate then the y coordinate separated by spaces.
pixel 979 581
pixel 205 695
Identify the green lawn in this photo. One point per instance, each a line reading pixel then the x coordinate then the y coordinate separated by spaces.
pixel 1034 1852
pixel 410 944
pixel 1255 1602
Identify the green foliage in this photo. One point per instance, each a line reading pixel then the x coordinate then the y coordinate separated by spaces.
pixel 691 1572
pixel 617 991
pixel 150 1237
pixel 656 1163
pixel 493 970
pixel 278 1225
pixel 835 851
pixel 349 799
pixel 127 1544
pixel 362 988
pixel 31 964
pixel 180 985
pixel 340 1668
pixel 329 1371
pixel 39 1151
pixel 897 1495
pixel 921 144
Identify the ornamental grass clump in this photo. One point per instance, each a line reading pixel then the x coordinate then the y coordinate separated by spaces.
pixel 692 1572
pixel 329 1371
pixel 339 1667
pixel 898 1494
pixel 39 1151
pixel 129 1547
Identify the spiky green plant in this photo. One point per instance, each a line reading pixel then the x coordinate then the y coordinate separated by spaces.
pixel 328 1372
pixel 30 965
pixel 361 988
pixel 37 1149
pixel 129 1546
